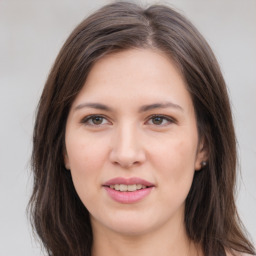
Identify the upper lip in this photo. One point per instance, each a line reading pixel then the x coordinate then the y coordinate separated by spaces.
pixel 128 181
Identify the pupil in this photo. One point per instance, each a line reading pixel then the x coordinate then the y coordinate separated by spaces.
pixel 97 120
pixel 157 120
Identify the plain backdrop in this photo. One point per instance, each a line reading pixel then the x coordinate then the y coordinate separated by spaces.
pixel 31 34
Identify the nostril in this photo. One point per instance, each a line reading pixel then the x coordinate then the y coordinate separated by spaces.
pixel 126 164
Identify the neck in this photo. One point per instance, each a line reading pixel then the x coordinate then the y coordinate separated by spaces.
pixel 164 242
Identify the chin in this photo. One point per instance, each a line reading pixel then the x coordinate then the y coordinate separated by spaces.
pixel 131 229
pixel 127 224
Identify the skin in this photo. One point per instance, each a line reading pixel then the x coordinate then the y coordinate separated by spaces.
pixel 128 142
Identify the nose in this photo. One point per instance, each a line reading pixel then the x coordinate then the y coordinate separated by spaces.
pixel 126 148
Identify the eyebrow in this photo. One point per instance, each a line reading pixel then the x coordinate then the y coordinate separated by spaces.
pixel 93 105
pixel 143 108
pixel 160 105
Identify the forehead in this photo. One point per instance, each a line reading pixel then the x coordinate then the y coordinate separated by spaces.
pixel 134 64
pixel 135 75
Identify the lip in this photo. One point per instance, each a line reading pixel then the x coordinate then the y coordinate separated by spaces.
pixel 128 197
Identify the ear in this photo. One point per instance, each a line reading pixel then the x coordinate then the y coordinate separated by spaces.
pixel 202 155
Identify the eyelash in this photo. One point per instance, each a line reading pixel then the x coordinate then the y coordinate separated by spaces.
pixel 89 118
pixel 163 117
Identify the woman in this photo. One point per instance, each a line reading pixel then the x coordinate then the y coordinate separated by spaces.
pixel 134 146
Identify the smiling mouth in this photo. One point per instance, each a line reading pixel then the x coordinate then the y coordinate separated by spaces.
pixel 127 188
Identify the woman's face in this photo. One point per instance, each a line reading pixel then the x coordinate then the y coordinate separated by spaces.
pixel 132 144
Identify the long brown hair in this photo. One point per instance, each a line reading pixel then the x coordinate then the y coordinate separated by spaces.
pixel 58 216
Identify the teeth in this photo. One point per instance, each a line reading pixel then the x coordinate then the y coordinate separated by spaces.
pixel 124 188
pixel 132 187
pixel 139 186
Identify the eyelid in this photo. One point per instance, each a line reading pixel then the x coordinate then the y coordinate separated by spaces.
pixel 85 120
pixel 170 119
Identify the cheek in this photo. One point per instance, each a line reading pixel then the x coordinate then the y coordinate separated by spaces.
pixel 85 153
pixel 175 161
pixel 86 159
pixel 174 164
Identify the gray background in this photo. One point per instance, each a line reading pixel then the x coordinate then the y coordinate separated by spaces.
pixel 31 34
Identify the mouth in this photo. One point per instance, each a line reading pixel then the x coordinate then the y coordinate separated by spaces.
pixel 128 184
pixel 129 190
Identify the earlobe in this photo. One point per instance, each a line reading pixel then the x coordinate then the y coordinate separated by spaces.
pixel 202 156
pixel 201 163
pixel 199 166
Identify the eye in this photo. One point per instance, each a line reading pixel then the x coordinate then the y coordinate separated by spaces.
pixel 160 120
pixel 95 120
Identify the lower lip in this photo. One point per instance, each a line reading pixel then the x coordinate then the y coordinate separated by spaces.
pixel 128 197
